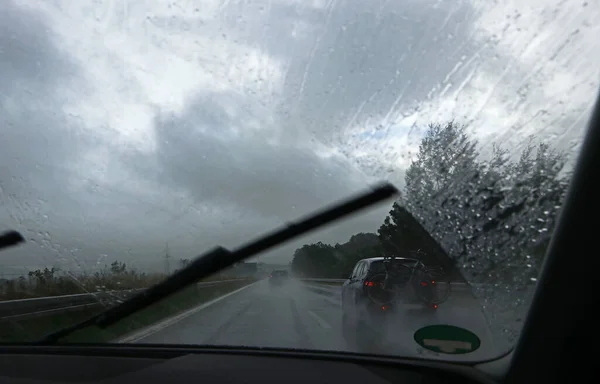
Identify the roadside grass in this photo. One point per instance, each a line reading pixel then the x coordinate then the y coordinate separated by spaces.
pixel 49 286
pixel 32 329
pixel 48 283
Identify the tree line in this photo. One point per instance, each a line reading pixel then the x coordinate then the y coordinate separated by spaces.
pixel 115 276
pixel 54 282
pixel 485 219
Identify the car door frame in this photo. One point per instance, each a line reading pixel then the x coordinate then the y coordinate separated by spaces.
pixel 348 295
pixel 356 283
pixel 358 301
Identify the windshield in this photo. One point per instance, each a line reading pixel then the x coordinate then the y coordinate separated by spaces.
pixel 137 135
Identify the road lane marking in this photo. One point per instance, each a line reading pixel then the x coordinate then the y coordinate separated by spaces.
pixel 255 312
pixel 224 327
pixel 319 320
pixel 152 329
pixel 332 301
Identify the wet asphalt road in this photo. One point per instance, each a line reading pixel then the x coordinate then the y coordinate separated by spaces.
pixel 292 316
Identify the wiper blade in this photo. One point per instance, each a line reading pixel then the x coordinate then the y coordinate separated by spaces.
pixel 10 239
pixel 221 258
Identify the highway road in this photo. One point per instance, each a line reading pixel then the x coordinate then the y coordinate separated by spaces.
pixel 292 316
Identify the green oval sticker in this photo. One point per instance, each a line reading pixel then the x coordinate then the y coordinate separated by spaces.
pixel 447 339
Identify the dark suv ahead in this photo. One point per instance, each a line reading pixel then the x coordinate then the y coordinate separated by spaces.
pixel 363 315
pixel 278 277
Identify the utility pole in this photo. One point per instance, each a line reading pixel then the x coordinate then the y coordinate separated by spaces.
pixel 167 257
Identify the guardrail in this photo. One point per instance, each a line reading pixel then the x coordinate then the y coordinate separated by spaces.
pixel 43 306
pixel 336 291
pixel 324 280
pixel 454 284
pixel 323 289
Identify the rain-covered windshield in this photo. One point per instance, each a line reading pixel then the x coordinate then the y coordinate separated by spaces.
pixel 136 135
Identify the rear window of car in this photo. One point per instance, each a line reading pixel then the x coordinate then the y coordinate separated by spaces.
pixel 280 273
pixel 378 267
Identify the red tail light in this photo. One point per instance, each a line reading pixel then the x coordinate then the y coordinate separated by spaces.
pixel 369 284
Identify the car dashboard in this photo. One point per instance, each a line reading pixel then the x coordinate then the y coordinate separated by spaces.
pixel 219 366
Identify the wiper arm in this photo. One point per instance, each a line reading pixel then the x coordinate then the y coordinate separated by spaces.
pixel 10 239
pixel 221 258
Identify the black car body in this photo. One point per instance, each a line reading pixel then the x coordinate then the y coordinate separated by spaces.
pixel 363 318
pixel 278 277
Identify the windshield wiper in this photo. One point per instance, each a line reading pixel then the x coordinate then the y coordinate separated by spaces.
pixel 221 258
pixel 10 239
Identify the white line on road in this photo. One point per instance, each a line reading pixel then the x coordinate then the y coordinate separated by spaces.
pixel 319 320
pixel 145 332
pixel 332 301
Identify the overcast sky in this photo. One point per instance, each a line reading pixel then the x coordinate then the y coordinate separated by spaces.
pixel 125 125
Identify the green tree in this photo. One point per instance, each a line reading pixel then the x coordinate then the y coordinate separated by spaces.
pixel 446 159
pixel 118 268
pixel 315 260
pixel 492 217
pixel 484 220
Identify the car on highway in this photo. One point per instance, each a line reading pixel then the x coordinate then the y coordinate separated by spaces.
pixel 278 277
pixel 365 307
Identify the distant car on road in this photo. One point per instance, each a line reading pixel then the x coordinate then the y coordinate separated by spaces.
pixel 278 277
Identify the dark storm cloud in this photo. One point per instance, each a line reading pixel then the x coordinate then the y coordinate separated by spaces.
pixel 39 142
pixel 356 57
pixel 217 158
pixel 200 150
pixel 36 138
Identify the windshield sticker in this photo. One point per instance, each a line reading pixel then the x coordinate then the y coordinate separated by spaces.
pixel 447 339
